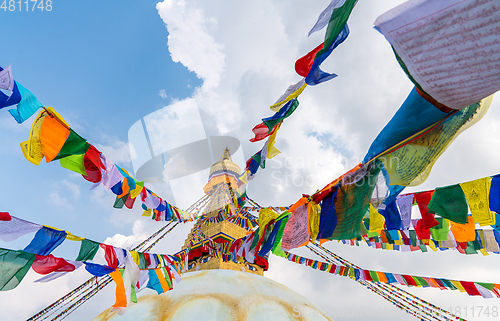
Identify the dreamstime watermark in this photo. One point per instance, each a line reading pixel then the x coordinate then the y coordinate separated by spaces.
pixel 358 312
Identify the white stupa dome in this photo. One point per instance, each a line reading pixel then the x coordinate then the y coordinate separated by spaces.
pixel 221 295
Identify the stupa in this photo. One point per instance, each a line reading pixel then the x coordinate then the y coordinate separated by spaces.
pixel 214 289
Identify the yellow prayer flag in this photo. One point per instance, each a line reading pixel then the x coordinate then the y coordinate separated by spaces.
pixel 244 177
pixel 458 285
pixel 432 246
pixel 72 237
pixel 146 213
pixel 411 163
pixel 314 216
pixel 136 191
pixel 135 257
pixel 377 221
pixel 271 150
pixel 277 105
pixel 483 252
pixel 477 193
pixel 69 236
pixel 33 148
pixel 266 215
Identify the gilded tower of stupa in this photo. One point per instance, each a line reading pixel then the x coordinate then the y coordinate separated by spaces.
pixel 221 188
pixel 214 288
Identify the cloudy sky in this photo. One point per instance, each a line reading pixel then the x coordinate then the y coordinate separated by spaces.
pixel 192 69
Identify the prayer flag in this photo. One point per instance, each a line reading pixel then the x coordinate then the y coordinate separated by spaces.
pixel 88 250
pixel 13 267
pixel 449 202
pixel 27 106
pixel 6 79
pixel 74 145
pixel 53 135
pixel 316 75
pixel 328 215
pixel 14 228
pixel 48 264
pixel 477 193
pixel 422 33
pixel 45 241
pixel 121 296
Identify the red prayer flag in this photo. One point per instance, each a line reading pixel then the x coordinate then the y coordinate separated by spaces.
pixel 409 280
pixel 422 233
pixel 303 65
pixel 4 216
pixel 423 200
pixel 470 288
pixel 110 255
pixel 129 203
pixel 93 165
pixel 368 276
pixel 261 131
pixel 48 264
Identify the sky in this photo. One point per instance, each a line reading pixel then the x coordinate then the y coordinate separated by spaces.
pixel 187 70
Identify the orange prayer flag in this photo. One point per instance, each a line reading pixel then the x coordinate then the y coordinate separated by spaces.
pixel 163 282
pixel 121 296
pixel 53 135
pixel 381 277
pixel 125 188
pixel 464 232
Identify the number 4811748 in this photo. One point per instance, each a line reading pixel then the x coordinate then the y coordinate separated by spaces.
pixel 26 5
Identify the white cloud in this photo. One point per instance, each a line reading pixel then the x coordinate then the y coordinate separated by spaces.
pixel 257 44
pixel 74 188
pixel 191 43
pixel 163 93
pixel 117 151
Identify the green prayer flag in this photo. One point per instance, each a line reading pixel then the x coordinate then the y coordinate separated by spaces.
pixel 167 277
pixel 423 248
pixel 470 248
pixel 142 261
pixel 415 279
pixel 476 244
pixel 74 145
pixel 255 240
pixel 450 202
pixel 74 163
pixel 489 286
pixel 413 237
pixel 13 267
pixel 120 202
pixel 277 243
pixel 374 276
pixel 88 249
pixel 448 284
pixel 352 201
pixel 421 281
pixel 133 295
pixel 440 232
pixel 337 21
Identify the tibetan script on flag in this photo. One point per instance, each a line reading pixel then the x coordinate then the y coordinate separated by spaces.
pixel 451 48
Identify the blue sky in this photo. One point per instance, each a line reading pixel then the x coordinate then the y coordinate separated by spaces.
pixel 103 64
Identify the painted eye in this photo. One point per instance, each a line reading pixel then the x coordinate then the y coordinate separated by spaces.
pixel 192 265
pixel 206 259
pixel 251 268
